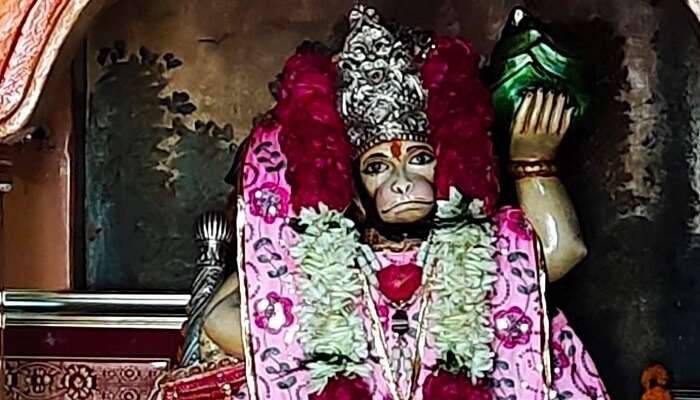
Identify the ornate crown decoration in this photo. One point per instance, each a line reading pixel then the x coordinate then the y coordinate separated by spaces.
pixel 381 97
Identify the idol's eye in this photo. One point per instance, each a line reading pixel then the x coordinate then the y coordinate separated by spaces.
pixel 375 168
pixel 422 158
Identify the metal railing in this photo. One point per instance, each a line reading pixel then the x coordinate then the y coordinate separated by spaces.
pixel 686 394
pixel 92 310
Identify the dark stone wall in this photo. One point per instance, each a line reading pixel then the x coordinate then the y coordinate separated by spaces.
pixel 632 170
pixel 147 173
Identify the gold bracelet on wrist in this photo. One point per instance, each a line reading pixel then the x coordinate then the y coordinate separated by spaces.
pixel 528 169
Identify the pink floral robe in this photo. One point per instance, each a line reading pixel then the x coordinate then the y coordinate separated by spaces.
pixel 524 362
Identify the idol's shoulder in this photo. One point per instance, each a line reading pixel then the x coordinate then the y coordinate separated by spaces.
pixel 511 220
pixel 518 251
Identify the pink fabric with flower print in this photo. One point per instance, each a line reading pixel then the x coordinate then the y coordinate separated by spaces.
pixel 517 316
pixel 575 375
pixel 269 272
pixel 273 312
pixel 517 313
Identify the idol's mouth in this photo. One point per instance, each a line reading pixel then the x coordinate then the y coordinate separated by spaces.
pixel 408 206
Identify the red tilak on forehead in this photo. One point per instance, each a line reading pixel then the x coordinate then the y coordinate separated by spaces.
pixel 396 148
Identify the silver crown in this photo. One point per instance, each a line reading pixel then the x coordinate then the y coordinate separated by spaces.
pixel 381 97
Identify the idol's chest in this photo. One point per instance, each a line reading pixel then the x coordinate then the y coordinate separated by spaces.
pixel 397 294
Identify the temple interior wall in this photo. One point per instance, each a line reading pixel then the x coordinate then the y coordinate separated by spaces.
pixel 35 244
pixel 632 173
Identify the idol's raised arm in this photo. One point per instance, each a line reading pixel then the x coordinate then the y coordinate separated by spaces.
pixel 539 125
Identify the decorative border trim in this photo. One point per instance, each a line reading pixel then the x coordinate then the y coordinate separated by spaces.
pixel 114 377
pixel 251 382
pixel 546 323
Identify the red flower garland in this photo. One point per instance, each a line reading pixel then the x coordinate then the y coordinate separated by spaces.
pixel 460 114
pixel 444 385
pixel 343 388
pixel 320 156
pixel 313 135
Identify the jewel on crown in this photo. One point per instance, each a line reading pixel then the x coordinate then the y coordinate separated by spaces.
pixel 381 97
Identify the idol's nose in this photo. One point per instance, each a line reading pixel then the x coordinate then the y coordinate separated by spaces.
pixel 402 186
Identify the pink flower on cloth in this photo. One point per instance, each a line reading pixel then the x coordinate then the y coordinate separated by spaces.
pixel 383 312
pixel 513 327
pixel 273 313
pixel 560 360
pixel 515 221
pixel 269 201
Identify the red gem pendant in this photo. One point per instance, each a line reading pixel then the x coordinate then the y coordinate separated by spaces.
pixel 399 282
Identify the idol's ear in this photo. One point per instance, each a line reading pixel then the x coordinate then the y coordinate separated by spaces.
pixel 235 179
pixel 357 210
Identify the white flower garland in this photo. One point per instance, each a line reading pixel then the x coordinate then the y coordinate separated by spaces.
pixel 463 254
pixel 460 266
pixel 330 323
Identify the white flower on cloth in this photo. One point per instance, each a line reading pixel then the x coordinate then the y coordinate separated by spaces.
pixel 273 313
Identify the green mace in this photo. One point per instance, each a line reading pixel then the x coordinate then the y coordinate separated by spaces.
pixel 528 57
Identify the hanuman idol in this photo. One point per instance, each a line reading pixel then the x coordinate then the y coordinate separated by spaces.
pixel 373 261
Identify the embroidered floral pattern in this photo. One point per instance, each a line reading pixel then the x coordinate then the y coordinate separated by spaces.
pixel 38 380
pixel 574 372
pixel 513 327
pixel 383 313
pixel 273 313
pixel 560 360
pixel 514 220
pixel 270 202
pixel 80 382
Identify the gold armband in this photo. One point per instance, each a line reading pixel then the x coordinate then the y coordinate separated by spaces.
pixel 528 169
